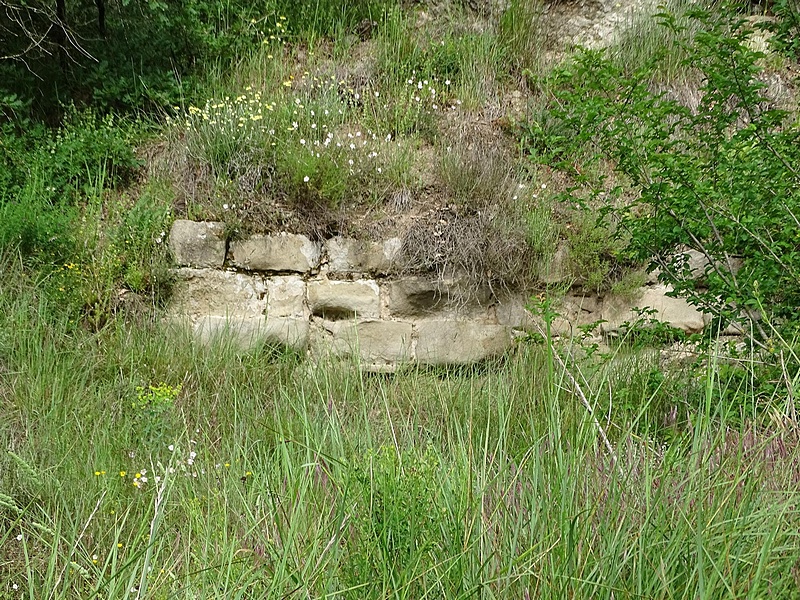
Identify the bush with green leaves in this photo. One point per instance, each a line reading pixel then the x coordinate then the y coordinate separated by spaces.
pixel 721 179
pixel 785 27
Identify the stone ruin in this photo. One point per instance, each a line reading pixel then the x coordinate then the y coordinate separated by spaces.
pixel 343 298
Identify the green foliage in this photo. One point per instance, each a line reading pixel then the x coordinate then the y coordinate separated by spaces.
pixel 88 151
pixel 521 31
pixel 647 331
pixel 314 19
pixel 151 412
pixel 594 251
pixel 35 229
pixel 647 44
pixel 137 56
pixel 720 179
pixel 785 28
pixel 397 516
pixel 138 243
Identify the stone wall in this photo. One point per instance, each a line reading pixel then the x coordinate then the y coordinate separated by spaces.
pixel 340 297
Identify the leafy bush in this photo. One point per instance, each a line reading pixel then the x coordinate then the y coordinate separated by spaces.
pixel 90 149
pixel 720 179
pixel 786 27
pixel 33 228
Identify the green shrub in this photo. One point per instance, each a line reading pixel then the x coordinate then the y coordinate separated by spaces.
pixel 785 28
pixel 35 229
pixel 720 179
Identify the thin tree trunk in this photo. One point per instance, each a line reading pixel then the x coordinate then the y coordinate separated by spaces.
pixel 61 34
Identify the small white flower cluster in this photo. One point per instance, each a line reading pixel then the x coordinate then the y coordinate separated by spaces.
pixel 423 91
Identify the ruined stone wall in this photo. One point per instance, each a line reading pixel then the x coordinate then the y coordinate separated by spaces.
pixel 341 298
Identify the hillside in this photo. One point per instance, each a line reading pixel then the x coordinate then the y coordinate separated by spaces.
pixel 399 299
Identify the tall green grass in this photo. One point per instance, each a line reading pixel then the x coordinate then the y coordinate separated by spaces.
pixel 139 464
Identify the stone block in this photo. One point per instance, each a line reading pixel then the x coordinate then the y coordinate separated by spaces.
pixel 347 255
pixel 284 252
pixel 344 299
pixel 197 244
pixel 415 296
pixel 460 342
pixel 290 332
pixel 286 296
pixel 381 342
pixel 221 293
pixel 423 297
pixel 513 313
pixel 244 332
pixel 672 311
pixel 248 333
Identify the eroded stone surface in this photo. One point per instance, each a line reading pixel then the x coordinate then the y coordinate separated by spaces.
pixel 344 299
pixel 512 312
pixel 221 293
pixel 421 297
pixel 251 332
pixel 372 341
pixel 460 342
pixel 347 255
pixel 286 252
pixel 673 311
pixel 415 296
pixel 286 296
pixel 197 244
pixel 291 332
pixel 244 332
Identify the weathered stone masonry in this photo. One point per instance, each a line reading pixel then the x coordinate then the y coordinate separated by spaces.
pixel 332 297
pixel 339 298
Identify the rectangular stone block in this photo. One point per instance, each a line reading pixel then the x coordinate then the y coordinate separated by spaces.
pixel 284 252
pixel 244 332
pixel 460 342
pixel 381 342
pixel 197 244
pixel 286 296
pixel 675 312
pixel 248 333
pixel 344 299
pixel 221 293
pixel 290 332
pixel 415 296
pixel 347 255
pixel 425 297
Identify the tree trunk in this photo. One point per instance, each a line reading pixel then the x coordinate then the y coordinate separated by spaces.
pixel 61 34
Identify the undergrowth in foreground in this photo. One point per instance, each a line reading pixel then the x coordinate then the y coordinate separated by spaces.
pixel 140 465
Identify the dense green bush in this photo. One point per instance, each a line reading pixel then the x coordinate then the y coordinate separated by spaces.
pixel 720 179
pixel 785 27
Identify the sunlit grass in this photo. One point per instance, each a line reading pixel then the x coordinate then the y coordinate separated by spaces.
pixel 138 463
